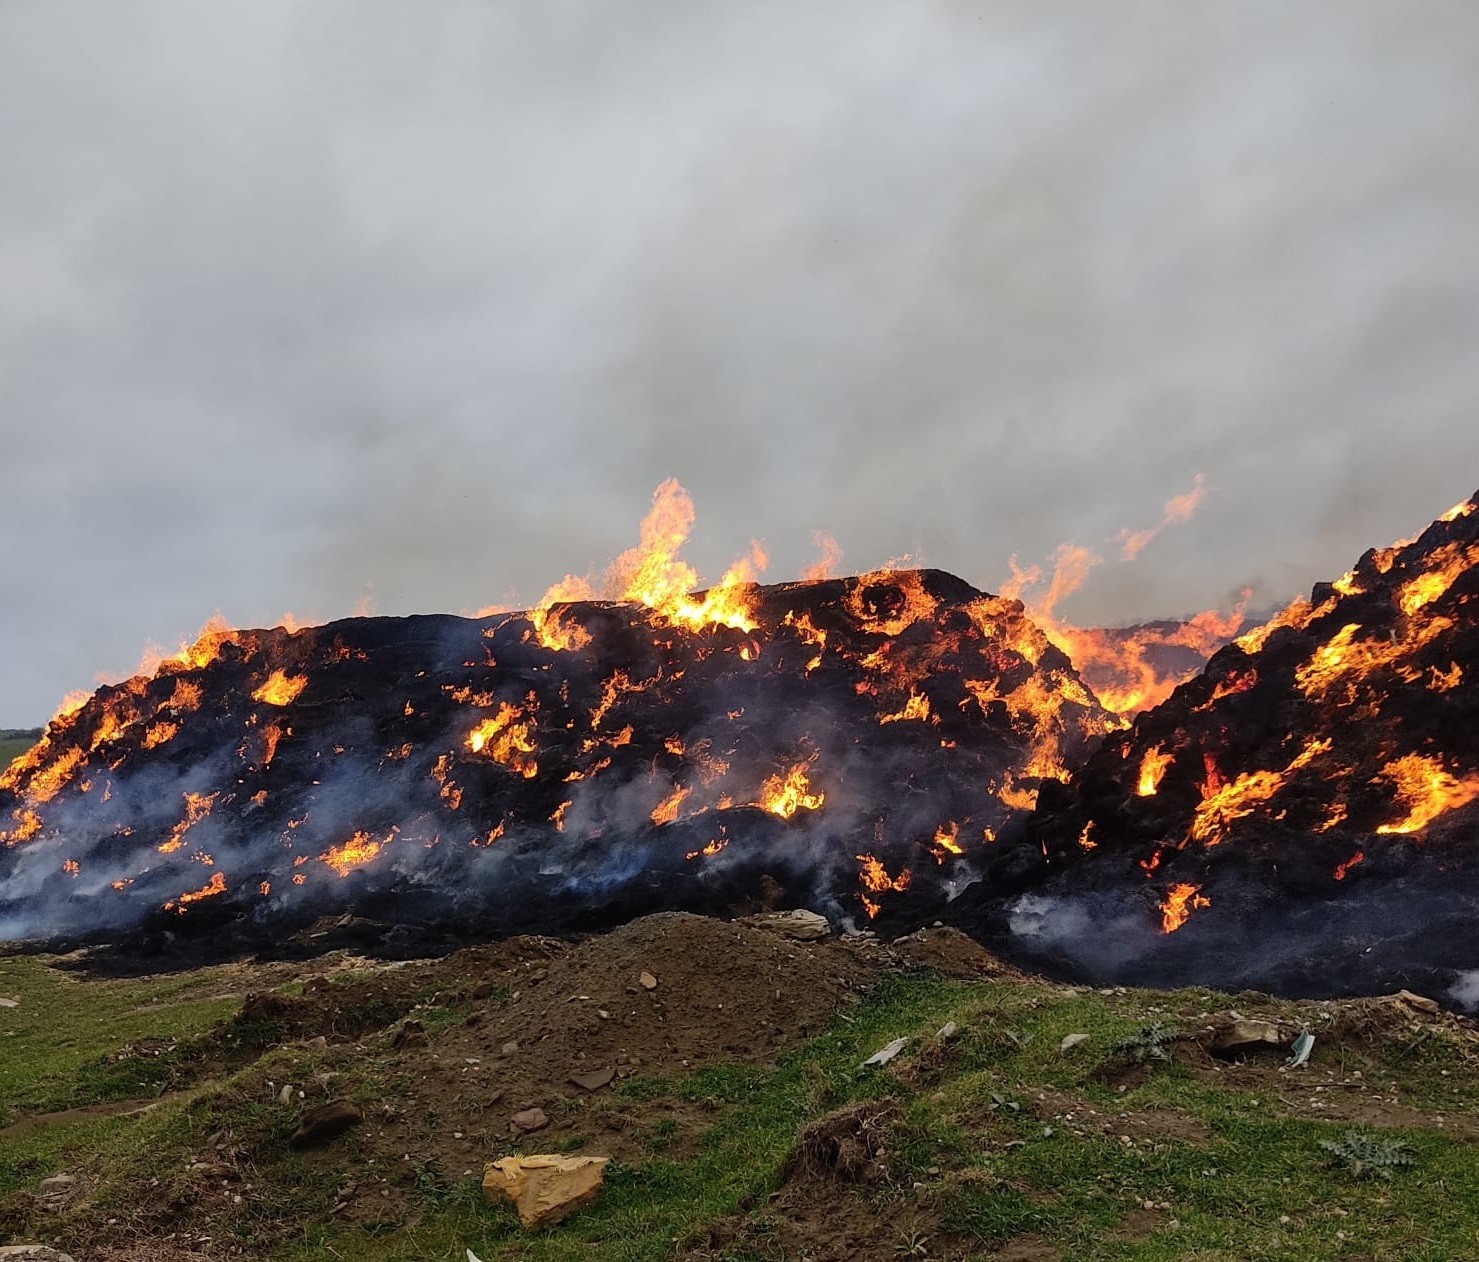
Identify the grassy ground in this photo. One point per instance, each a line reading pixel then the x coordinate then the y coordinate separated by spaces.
pixel 993 1137
pixel 10 750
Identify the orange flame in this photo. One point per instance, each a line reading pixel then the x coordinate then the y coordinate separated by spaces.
pixel 359 850
pixel 197 807
pixel 281 689
pixel 216 885
pixel 1181 900
pixel 1427 790
pixel 1152 768
pixel 1178 509
pixel 666 811
pixel 785 793
pixel 505 738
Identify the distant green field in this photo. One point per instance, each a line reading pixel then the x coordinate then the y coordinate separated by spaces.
pixel 10 750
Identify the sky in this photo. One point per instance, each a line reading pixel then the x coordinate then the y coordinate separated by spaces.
pixel 314 304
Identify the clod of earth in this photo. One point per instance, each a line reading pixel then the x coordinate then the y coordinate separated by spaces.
pixel 544 1188
pixel 324 1123
pixel 594 1079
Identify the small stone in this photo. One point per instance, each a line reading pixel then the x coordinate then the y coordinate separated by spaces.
pixel 32 1253
pixel 510 1048
pixel 594 1079
pixel 528 1120
pixel 947 1031
pixel 285 1096
pixel 799 925
pixel 16 1003
pixel 647 981
pixel 1244 1035
pixel 324 1123
pixel 318 1043
pixel 410 1034
pixel 1070 1041
pixel 57 1182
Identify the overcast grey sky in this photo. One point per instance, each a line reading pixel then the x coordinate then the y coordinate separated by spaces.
pixel 303 301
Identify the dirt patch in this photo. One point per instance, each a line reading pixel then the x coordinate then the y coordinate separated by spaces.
pixel 948 951
pixel 1158 1125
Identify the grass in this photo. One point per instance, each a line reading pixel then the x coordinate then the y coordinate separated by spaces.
pixel 997 1133
pixel 10 750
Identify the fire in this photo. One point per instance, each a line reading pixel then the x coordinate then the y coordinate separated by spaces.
pixel 359 850
pixel 1342 868
pixel 49 779
pixel 505 738
pixel 652 574
pixel 281 689
pixel 1152 768
pixel 216 885
pixel 1344 662
pixel 160 734
pixel 1178 509
pixel 1181 901
pixel 917 708
pixel 666 811
pixel 828 560
pixel 713 848
pixel 947 841
pixel 786 793
pixel 197 807
pixel 185 698
pixel 887 601
pixel 1448 563
pixel 876 880
pixel 1223 803
pixel 548 619
pixel 811 634
pixel 1118 664
pixel 1427 790
pixel 1446 680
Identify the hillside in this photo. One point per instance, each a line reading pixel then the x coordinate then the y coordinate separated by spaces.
pixel 151 1118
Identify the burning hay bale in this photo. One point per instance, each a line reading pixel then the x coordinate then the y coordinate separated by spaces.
pixel 1302 815
pixel 853 745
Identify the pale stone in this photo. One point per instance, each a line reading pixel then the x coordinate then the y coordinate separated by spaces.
pixel 543 1189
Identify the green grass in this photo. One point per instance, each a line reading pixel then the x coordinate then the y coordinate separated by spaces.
pixel 10 750
pixel 975 1151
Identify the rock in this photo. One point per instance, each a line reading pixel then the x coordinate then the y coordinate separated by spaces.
pixel 324 1123
pixel 1419 1002
pixel 594 1079
pixel 886 1053
pixel 318 1042
pixel 530 1120
pixel 1070 1041
pixel 16 1003
pixel 1244 1035
pixel 799 924
pixel 511 1048
pixel 947 1031
pixel 32 1253
pixel 285 1096
pixel 56 1182
pixel 544 1189
pixel 648 981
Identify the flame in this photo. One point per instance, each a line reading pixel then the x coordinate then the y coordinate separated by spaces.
pixel 1181 900
pixel 1221 804
pixel 1178 509
pixel 916 708
pixel 359 850
pixel 160 734
pixel 1462 509
pixel 886 602
pixel 1342 868
pixel 216 885
pixel 828 560
pixel 666 811
pixel 1152 768
pixel 1017 797
pixel 1344 662
pixel 947 841
pixel 785 793
pixel 876 880
pixel 652 574
pixel 550 627
pixel 48 780
pixel 1427 790
pixel 281 689
pixel 1085 841
pixel 713 848
pixel 1446 680
pixel 197 807
pixel 1447 562
pixel 506 740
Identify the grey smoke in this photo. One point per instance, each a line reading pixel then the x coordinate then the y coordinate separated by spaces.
pixel 303 301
